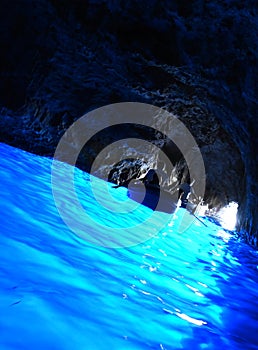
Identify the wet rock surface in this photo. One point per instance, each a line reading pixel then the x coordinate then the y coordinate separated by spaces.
pixel 198 60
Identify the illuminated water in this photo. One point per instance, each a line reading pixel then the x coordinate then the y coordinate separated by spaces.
pixel 194 290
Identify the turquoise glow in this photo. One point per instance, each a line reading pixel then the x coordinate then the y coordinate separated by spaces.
pixel 193 290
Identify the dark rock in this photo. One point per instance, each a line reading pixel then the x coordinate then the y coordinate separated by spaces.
pixel 198 60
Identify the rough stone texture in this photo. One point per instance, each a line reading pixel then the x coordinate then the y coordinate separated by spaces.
pixel 198 60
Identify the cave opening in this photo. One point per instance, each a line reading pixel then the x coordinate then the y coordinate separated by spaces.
pixel 226 216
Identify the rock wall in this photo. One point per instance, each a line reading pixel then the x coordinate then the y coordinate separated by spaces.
pixel 198 60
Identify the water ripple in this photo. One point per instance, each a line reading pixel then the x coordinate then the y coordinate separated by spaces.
pixel 196 290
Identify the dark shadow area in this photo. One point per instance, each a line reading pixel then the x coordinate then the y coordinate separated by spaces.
pixel 153 197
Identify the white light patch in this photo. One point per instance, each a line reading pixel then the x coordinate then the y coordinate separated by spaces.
pixel 191 319
pixel 228 216
pixel 202 210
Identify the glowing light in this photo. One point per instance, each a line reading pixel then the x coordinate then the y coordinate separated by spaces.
pixel 228 215
pixel 224 235
pixel 202 210
pixel 202 284
pixel 191 319
pixel 143 281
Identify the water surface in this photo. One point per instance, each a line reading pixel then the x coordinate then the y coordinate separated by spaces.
pixel 190 290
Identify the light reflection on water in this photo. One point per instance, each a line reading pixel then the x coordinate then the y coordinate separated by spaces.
pixel 190 290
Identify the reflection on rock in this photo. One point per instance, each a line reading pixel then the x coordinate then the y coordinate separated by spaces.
pixel 198 60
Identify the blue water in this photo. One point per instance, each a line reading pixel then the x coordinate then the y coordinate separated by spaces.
pixel 190 290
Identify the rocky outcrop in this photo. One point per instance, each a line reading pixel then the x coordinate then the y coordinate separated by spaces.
pixel 198 60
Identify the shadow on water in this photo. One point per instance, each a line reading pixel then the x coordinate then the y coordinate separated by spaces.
pixel 153 197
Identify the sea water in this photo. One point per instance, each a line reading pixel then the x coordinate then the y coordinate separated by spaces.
pixel 191 289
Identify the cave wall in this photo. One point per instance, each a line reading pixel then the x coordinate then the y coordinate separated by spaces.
pixel 198 60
